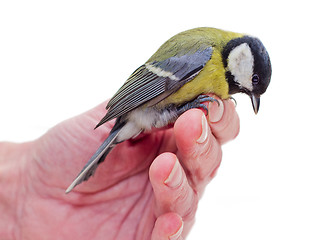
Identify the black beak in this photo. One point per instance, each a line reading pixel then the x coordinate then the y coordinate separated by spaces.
pixel 255 103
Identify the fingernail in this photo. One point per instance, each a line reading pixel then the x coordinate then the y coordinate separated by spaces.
pixel 177 235
pixel 175 177
pixel 215 111
pixel 204 133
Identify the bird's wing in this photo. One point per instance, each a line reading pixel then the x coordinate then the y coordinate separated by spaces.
pixel 153 79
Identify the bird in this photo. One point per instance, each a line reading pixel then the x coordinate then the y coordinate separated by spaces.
pixel 177 78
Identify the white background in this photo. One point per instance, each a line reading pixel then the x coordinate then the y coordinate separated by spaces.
pixel 61 58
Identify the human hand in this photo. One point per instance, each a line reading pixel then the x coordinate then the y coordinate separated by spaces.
pixel 146 188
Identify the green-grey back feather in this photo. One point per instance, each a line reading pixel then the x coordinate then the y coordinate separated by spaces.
pixel 144 84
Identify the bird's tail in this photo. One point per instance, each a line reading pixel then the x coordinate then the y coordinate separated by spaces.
pixel 99 156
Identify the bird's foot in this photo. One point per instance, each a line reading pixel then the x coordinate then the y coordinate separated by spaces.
pixel 197 103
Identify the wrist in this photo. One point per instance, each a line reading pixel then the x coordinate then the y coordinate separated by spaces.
pixel 12 161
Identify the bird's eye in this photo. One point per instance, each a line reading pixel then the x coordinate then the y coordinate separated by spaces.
pixel 255 79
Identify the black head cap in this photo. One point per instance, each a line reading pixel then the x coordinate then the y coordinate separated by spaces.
pixel 248 67
pixel 262 66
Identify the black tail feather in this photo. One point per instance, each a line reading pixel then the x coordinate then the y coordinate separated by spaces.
pixel 99 156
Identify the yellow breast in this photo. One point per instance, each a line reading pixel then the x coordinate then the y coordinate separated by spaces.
pixel 211 79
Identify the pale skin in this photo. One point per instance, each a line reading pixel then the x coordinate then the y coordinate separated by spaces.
pixel 147 188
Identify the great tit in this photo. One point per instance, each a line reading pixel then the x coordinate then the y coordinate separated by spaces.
pixel 176 79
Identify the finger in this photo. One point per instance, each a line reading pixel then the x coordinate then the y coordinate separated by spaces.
pixel 224 120
pixel 171 189
pixel 198 149
pixel 168 227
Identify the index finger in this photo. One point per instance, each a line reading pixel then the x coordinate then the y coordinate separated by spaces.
pixel 223 119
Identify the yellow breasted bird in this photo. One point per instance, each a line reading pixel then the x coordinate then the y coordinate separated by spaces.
pixel 175 79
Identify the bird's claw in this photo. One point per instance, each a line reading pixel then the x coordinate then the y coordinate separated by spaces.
pixel 198 103
pixel 234 100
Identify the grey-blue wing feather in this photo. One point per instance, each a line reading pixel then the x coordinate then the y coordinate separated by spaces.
pixel 184 66
pixel 145 84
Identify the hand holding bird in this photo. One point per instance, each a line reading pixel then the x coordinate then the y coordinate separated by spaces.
pixel 147 187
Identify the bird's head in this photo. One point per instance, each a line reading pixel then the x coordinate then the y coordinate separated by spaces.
pixel 248 68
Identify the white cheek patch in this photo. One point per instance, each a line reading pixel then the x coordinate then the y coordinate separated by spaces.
pixel 240 64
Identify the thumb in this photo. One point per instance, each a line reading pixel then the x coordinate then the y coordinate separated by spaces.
pixel 65 148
